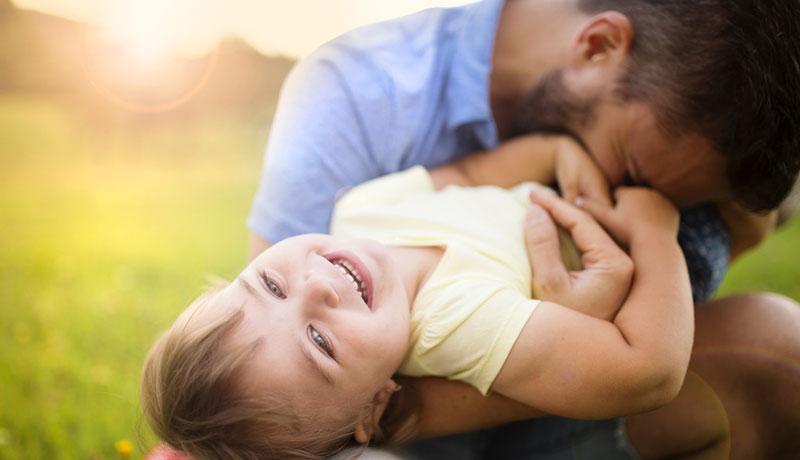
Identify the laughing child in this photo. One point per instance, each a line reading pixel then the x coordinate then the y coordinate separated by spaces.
pixel 299 356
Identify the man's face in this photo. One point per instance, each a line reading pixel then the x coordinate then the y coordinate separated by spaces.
pixel 626 143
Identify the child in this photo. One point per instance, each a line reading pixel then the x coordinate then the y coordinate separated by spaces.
pixel 296 358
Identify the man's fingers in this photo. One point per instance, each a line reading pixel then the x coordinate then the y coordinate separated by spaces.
pixel 541 240
pixel 564 214
pixel 588 235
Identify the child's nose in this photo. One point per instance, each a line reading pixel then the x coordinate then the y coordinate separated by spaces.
pixel 320 291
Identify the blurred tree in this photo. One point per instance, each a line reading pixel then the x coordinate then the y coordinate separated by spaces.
pixel 49 55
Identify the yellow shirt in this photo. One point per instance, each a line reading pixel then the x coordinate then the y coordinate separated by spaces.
pixel 469 313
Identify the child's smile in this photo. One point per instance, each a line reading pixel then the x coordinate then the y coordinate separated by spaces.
pixel 331 317
pixel 355 271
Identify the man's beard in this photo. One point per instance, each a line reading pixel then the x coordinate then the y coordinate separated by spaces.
pixel 551 108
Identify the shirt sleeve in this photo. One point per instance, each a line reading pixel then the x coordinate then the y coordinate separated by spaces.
pixel 323 138
pixel 469 337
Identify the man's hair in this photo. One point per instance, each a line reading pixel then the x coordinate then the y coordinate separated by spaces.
pixel 193 399
pixel 728 70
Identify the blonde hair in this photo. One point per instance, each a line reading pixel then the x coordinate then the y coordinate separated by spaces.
pixel 191 400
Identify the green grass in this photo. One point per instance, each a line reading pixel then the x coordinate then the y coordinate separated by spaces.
pixel 109 230
pixel 107 233
pixel 773 266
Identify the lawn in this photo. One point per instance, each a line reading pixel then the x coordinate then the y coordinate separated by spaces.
pixel 109 229
pixel 107 233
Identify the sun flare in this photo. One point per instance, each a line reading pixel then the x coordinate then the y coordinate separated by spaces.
pixel 145 30
pixel 134 59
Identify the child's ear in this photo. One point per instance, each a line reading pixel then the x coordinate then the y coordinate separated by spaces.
pixel 366 426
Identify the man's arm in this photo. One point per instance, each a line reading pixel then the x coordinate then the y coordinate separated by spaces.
pixel 326 134
pixel 449 407
pixel 257 246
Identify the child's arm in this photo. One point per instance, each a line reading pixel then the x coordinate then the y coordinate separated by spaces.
pixel 538 158
pixel 570 364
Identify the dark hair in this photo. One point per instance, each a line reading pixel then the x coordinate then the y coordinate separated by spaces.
pixel 728 70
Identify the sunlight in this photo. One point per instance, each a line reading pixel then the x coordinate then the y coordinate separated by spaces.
pixel 152 29
pixel 144 30
pixel 135 58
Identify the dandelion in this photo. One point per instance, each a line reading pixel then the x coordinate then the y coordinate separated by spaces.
pixel 124 447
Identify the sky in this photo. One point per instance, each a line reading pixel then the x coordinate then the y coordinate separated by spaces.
pixel 158 28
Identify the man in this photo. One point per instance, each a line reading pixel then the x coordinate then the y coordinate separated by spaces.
pixel 697 99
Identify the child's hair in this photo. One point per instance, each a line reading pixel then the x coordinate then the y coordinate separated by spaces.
pixel 191 399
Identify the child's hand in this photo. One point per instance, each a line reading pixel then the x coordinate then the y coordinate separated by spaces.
pixel 577 174
pixel 601 287
pixel 638 213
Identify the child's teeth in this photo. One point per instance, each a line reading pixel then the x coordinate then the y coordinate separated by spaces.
pixel 352 274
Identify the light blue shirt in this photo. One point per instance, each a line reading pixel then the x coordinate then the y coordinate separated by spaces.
pixel 388 96
pixel 380 99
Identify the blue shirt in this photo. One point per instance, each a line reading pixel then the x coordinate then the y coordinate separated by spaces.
pixel 379 99
pixel 388 96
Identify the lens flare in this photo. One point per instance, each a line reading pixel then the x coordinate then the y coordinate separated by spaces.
pixel 103 87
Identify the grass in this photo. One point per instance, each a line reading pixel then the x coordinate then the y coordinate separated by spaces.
pixel 108 230
pixel 108 233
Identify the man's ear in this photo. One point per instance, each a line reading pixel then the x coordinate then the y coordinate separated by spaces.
pixel 602 47
pixel 366 426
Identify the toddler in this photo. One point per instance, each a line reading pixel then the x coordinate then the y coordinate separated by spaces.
pixel 299 356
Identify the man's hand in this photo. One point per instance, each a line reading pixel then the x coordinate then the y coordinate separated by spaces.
pixel 601 287
pixel 572 365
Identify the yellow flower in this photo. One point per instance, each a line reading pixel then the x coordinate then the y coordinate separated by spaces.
pixel 124 447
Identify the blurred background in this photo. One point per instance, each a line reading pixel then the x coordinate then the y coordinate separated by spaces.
pixel 131 140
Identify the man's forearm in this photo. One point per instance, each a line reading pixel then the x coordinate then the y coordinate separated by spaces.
pixel 257 246
pixel 449 407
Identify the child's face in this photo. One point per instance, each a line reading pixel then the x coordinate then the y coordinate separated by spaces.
pixel 324 347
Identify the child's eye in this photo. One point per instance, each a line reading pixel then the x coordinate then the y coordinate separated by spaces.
pixel 320 341
pixel 273 288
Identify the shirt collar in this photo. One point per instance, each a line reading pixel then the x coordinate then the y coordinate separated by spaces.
pixel 468 82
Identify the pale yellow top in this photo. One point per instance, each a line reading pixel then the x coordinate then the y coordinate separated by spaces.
pixel 471 310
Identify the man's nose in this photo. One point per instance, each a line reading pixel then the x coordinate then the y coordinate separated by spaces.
pixel 320 291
